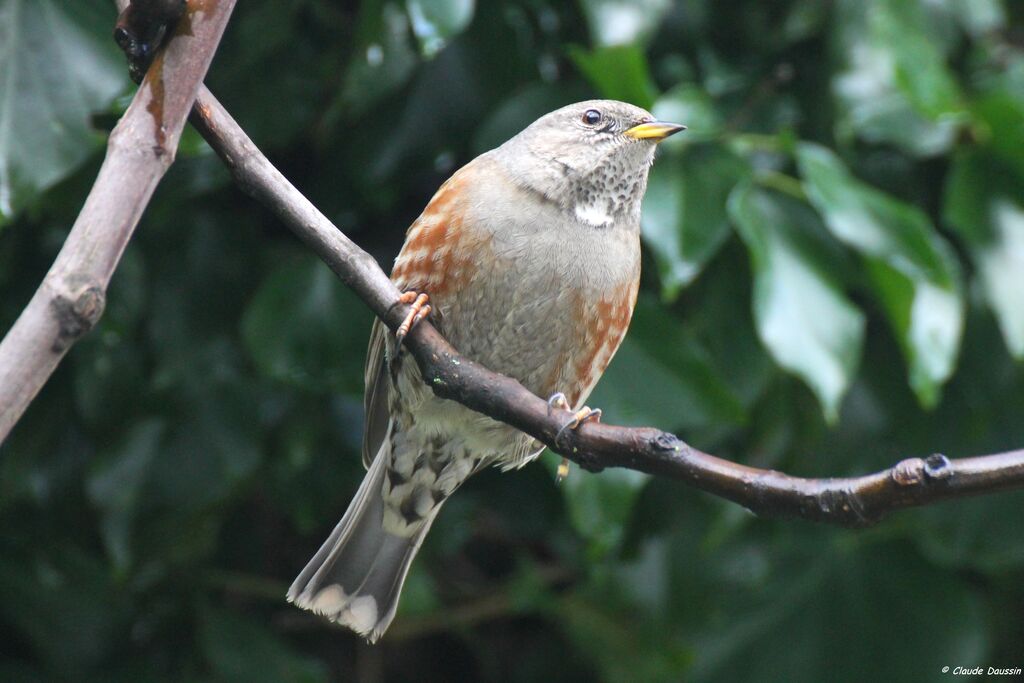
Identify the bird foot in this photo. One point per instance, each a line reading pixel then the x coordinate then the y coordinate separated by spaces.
pixel 584 414
pixel 418 310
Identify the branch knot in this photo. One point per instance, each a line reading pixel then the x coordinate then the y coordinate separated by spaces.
pixel 938 466
pixel 76 313
pixel 909 472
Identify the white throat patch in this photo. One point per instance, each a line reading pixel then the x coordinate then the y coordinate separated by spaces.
pixel 593 214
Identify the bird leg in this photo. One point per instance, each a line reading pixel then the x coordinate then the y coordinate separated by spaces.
pixel 584 414
pixel 418 310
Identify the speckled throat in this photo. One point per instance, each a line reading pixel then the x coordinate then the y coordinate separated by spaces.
pixel 610 194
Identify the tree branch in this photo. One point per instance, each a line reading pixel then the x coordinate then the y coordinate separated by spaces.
pixel 853 502
pixel 141 147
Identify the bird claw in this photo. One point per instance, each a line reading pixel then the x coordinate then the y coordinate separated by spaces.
pixel 584 414
pixel 559 401
pixel 418 310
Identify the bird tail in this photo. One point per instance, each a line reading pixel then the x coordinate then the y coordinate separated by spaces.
pixel 357 575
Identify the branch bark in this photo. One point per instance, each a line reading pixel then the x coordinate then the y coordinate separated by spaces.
pixel 852 502
pixel 141 147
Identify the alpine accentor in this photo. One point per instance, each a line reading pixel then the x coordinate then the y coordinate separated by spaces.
pixel 530 256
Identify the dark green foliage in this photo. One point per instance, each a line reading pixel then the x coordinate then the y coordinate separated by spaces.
pixel 834 280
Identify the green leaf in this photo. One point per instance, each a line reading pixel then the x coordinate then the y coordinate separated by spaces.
pixel 241 649
pixel 623 22
pixel 983 203
pixel 726 329
pixel 56 70
pixel 919 67
pixel 913 270
pixel 661 376
pixel 684 219
pixel 304 326
pixel 802 315
pixel 691 106
pixel 894 87
pixel 617 73
pixel 1002 116
pixel 435 22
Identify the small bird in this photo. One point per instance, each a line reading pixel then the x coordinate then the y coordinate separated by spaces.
pixel 528 261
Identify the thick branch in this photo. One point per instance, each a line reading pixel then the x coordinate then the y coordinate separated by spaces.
pixel 141 147
pixel 857 501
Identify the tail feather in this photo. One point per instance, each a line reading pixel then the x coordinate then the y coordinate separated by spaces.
pixel 357 575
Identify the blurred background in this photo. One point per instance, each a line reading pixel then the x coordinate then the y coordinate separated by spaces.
pixel 833 280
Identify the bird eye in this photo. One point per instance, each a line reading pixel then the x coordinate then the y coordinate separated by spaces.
pixel 591 117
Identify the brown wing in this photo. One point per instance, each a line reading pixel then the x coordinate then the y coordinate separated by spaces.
pixel 441 249
pixel 431 261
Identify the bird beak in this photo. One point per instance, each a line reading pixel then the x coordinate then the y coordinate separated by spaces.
pixel 654 130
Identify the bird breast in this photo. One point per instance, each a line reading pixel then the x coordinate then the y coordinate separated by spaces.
pixel 520 284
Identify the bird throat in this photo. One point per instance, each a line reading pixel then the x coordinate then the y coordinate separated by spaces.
pixel 608 194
